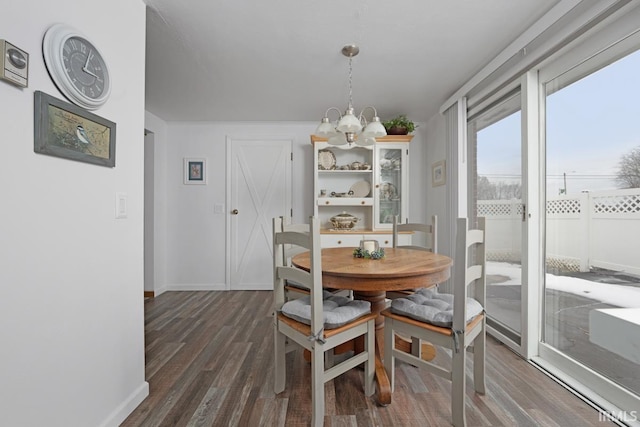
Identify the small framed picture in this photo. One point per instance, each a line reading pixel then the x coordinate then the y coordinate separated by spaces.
pixel 195 171
pixel 438 173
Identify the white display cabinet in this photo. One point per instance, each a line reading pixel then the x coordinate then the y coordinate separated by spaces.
pixel 391 184
pixel 369 183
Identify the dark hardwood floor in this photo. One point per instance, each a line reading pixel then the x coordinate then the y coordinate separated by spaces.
pixel 209 362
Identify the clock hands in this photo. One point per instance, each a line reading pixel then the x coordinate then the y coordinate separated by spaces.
pixel 89 72
pixel 86 64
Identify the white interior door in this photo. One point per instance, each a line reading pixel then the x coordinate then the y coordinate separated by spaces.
pixel 260 189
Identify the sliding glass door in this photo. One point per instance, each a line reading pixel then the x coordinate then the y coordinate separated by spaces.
pixel 495 171
pixel 592 221
pixel 553 164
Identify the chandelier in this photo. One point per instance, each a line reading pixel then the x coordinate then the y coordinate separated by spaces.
pixel 347 127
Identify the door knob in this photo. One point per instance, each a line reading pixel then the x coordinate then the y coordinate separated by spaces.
pixel 235 211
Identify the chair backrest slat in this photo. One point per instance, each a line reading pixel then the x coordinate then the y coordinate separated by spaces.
pixel 300 277
pixel 475 236
pixel 294 238
pixel 430 233
pixel 291 250
pixel 290 239
pixel 469 272
pixel 474 272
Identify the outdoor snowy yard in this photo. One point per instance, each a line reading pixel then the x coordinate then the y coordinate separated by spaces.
pixel 626 296
pixel 569 301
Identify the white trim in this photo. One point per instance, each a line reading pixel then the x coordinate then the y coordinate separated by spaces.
pixel 227 222
pixel 567 20
pixel 253 287
pixel 531 165
pixel 456 173
pixel 584 381
pixel 504 339
pixel 562 8
pixel 197 287
pixel 619 39
pixel 123 410
pixel 451 116
pixel 462 189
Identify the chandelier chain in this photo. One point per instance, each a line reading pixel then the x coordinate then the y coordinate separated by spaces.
pixel 350 82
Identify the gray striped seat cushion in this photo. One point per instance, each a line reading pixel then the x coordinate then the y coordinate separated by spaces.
pixel 338 310
pixel 429 306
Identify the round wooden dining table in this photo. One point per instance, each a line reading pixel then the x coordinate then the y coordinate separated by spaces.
pixel 369 279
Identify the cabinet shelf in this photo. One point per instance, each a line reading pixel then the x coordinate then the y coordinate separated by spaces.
pixel 388 162
pixel 345 201
pixel 347 171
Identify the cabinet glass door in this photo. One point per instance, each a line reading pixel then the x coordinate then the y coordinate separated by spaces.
pixel 390 181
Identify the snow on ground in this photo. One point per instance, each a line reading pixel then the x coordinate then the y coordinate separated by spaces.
pixel 617 295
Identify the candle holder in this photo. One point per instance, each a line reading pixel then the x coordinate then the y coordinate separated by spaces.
pixel 369 245
pixel 369 249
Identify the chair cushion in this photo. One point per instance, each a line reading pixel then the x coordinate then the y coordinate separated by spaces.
pixel 429 306
pixel 337 310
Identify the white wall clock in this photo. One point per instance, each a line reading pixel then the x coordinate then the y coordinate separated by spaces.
pixel 76 66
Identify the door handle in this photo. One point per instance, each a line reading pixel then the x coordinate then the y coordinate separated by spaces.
pixel 235 211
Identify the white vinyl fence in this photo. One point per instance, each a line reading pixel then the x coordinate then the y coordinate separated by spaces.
pixel 592 229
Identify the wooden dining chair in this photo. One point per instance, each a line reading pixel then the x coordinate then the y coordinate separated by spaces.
pixel 453 321
pixel 427 233
pixel 292 289
pixel 317 322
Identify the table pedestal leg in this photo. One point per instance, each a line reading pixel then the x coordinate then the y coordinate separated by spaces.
pixel 378 303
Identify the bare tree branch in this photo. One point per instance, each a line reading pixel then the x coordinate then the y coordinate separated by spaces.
pixel 628 175
pixel 500 190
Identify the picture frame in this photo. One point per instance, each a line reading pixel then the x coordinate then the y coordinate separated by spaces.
pixel 438 173
pixel 68 131
pixel 195 171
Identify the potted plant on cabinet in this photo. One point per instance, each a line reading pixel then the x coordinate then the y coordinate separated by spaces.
pixel 400 125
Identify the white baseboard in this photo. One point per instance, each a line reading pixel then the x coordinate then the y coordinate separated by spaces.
pixel 196 287
pixel 254 287
pixel 126 408
pixel 212 287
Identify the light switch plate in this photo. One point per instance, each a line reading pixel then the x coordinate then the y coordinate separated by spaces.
pixel 14 64
pixel 121 205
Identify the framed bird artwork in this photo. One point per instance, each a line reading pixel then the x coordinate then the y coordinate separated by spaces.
pixel 68 131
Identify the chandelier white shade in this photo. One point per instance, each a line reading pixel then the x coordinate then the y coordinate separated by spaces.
pixel 348 129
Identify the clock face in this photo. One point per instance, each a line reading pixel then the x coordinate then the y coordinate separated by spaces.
pixel 76 66
pixel 84 67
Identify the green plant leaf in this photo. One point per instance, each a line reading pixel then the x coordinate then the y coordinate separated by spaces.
pixel 401 122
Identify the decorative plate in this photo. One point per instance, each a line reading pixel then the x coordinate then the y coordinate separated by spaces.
pixel 326 160
pixel 388 191
pixel 361 189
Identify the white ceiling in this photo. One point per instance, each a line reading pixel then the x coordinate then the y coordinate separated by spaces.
pixel 280 60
